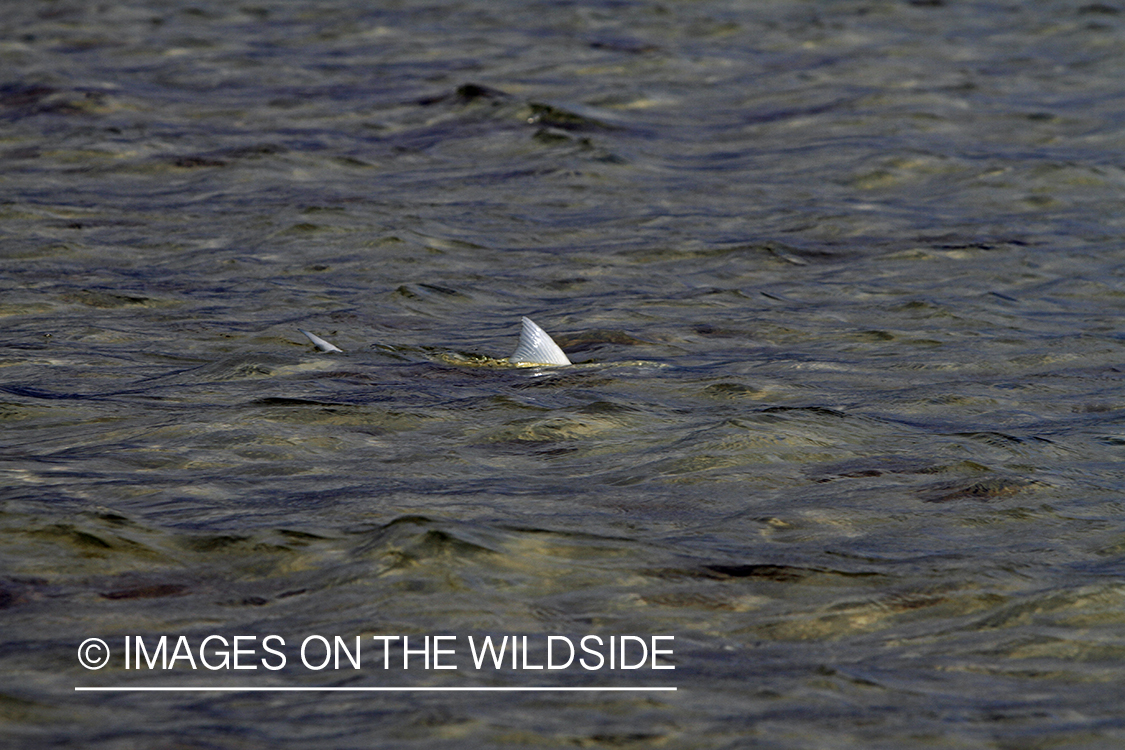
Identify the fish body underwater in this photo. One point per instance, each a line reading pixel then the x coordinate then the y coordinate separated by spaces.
pixel 536 347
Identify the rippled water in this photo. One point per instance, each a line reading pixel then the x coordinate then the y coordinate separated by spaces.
pixel 842 281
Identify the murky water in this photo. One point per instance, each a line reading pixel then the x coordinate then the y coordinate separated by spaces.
pixel 842 280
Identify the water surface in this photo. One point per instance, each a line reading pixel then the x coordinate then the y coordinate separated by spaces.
pixel 842 280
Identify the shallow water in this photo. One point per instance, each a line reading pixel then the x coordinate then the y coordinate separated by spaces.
pixel 842 280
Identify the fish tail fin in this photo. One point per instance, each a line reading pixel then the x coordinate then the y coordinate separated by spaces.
pixel 536 347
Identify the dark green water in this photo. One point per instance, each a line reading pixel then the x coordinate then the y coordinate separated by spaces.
pixel 843 281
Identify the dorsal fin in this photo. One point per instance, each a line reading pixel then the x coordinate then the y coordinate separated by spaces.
pixel 320 343
pixel 536 347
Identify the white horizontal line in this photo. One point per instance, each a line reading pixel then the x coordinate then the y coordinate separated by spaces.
pixel 229 689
